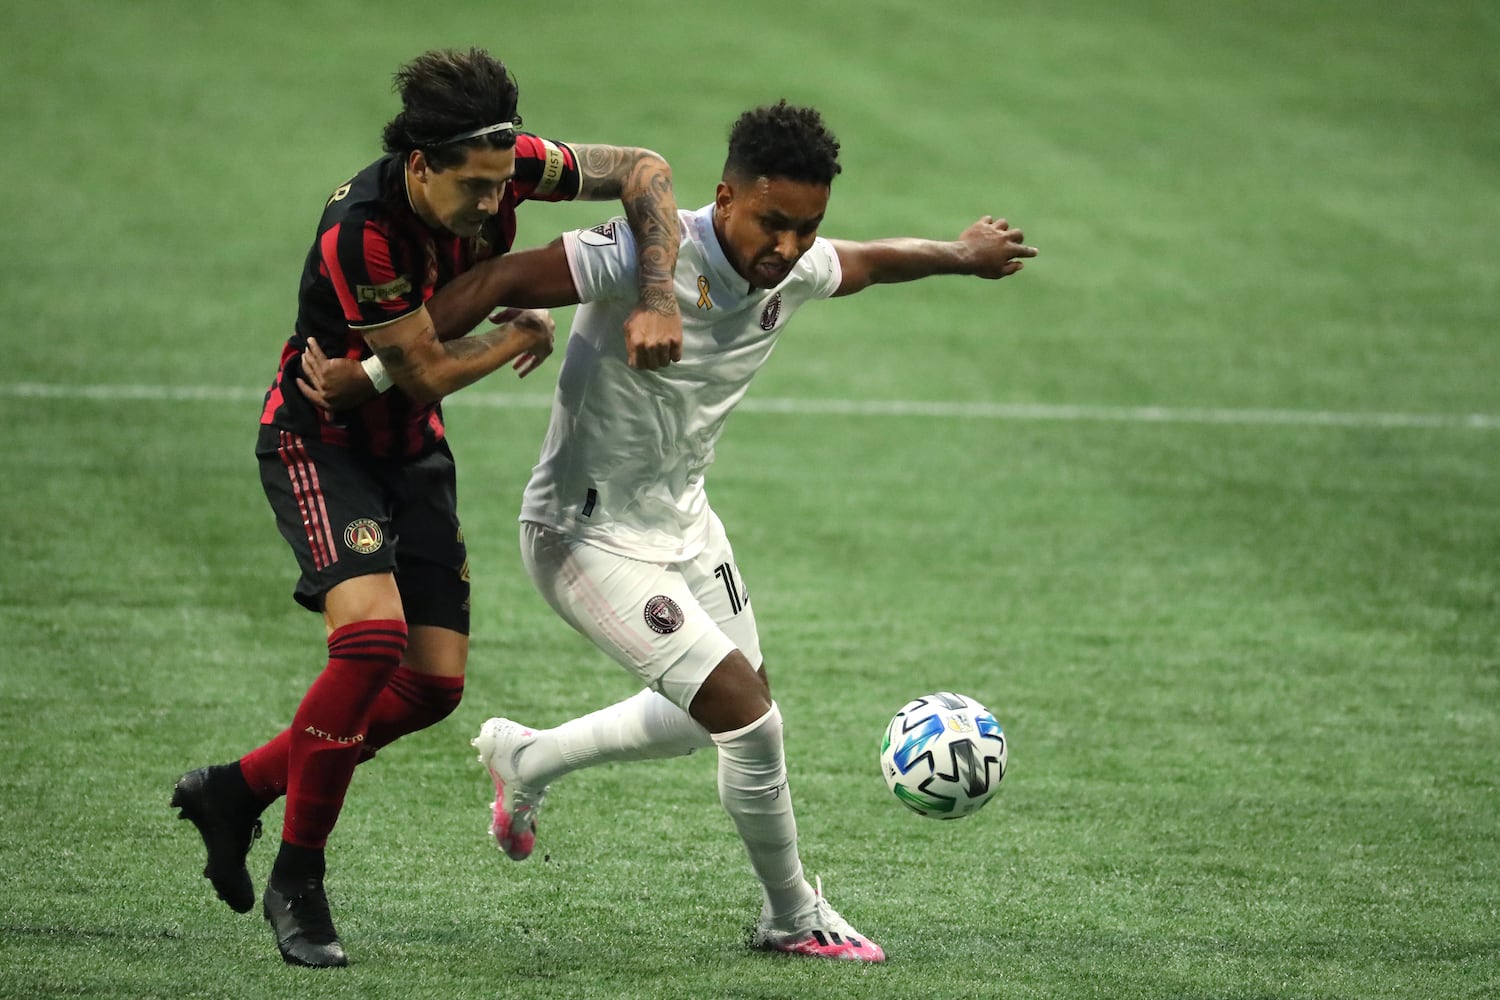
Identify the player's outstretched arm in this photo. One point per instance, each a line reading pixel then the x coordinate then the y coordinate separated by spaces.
pixel 642 181
pixel 989 248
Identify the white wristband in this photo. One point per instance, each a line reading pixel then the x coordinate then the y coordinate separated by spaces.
pixel 379 378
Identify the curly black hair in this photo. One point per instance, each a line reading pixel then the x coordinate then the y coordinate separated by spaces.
pixel 447 92
pixel 783 141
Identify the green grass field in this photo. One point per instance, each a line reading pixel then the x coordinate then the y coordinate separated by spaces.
pixel 1205 505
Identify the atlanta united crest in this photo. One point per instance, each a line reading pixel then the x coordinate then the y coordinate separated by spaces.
pixel 363 536
pixel 663 615
pixel 771 313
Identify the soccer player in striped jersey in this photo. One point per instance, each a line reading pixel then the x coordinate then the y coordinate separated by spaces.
pixel 617 533
pixel 366 498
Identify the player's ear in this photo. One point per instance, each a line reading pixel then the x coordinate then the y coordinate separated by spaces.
pixel 416 162
pixel 723 198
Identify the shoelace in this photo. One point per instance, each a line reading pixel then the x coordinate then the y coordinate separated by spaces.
pixel 827 915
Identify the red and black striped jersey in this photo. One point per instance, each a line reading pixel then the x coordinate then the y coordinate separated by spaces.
pixel 374 261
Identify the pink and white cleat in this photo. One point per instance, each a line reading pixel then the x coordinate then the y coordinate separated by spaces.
pixel 516 806
pixel 821 933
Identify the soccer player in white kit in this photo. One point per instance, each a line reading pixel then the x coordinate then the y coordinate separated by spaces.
pixel 616 529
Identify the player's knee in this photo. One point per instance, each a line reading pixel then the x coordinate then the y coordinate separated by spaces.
pixel 758 743
pixel 437 651
pixel 363 599
pixel 373 646
pixel 731 697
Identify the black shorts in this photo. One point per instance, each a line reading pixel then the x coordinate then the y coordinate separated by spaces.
pixel 346 514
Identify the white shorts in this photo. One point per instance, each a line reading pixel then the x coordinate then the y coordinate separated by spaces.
pixel 668 623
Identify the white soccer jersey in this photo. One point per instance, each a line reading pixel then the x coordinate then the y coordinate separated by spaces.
pixel 623 462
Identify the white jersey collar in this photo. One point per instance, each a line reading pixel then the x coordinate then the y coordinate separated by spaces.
pixel 721 272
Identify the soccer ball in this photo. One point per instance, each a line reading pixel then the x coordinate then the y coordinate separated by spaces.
pixel 943 755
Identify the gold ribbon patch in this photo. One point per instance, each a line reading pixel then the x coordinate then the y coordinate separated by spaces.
pixel 703 302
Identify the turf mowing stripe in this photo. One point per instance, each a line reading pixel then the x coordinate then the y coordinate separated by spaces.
pixel 840 407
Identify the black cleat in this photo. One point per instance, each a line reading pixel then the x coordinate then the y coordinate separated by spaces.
pixel 228 820
pixel 303 926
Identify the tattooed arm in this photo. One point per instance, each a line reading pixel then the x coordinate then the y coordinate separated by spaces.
pixel 642 181
pixel 414 353
pixel 427 369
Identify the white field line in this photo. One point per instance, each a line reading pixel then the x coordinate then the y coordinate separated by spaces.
pixel 839 407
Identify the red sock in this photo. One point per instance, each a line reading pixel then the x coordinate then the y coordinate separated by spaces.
pixel 329 728
pixel 411 701
pixel 265 767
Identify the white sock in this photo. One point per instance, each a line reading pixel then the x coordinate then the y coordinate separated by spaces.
pixel 644 726
pixel 754 791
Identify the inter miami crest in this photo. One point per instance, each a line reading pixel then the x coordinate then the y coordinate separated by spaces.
pixel 771 313
pixel 663 615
